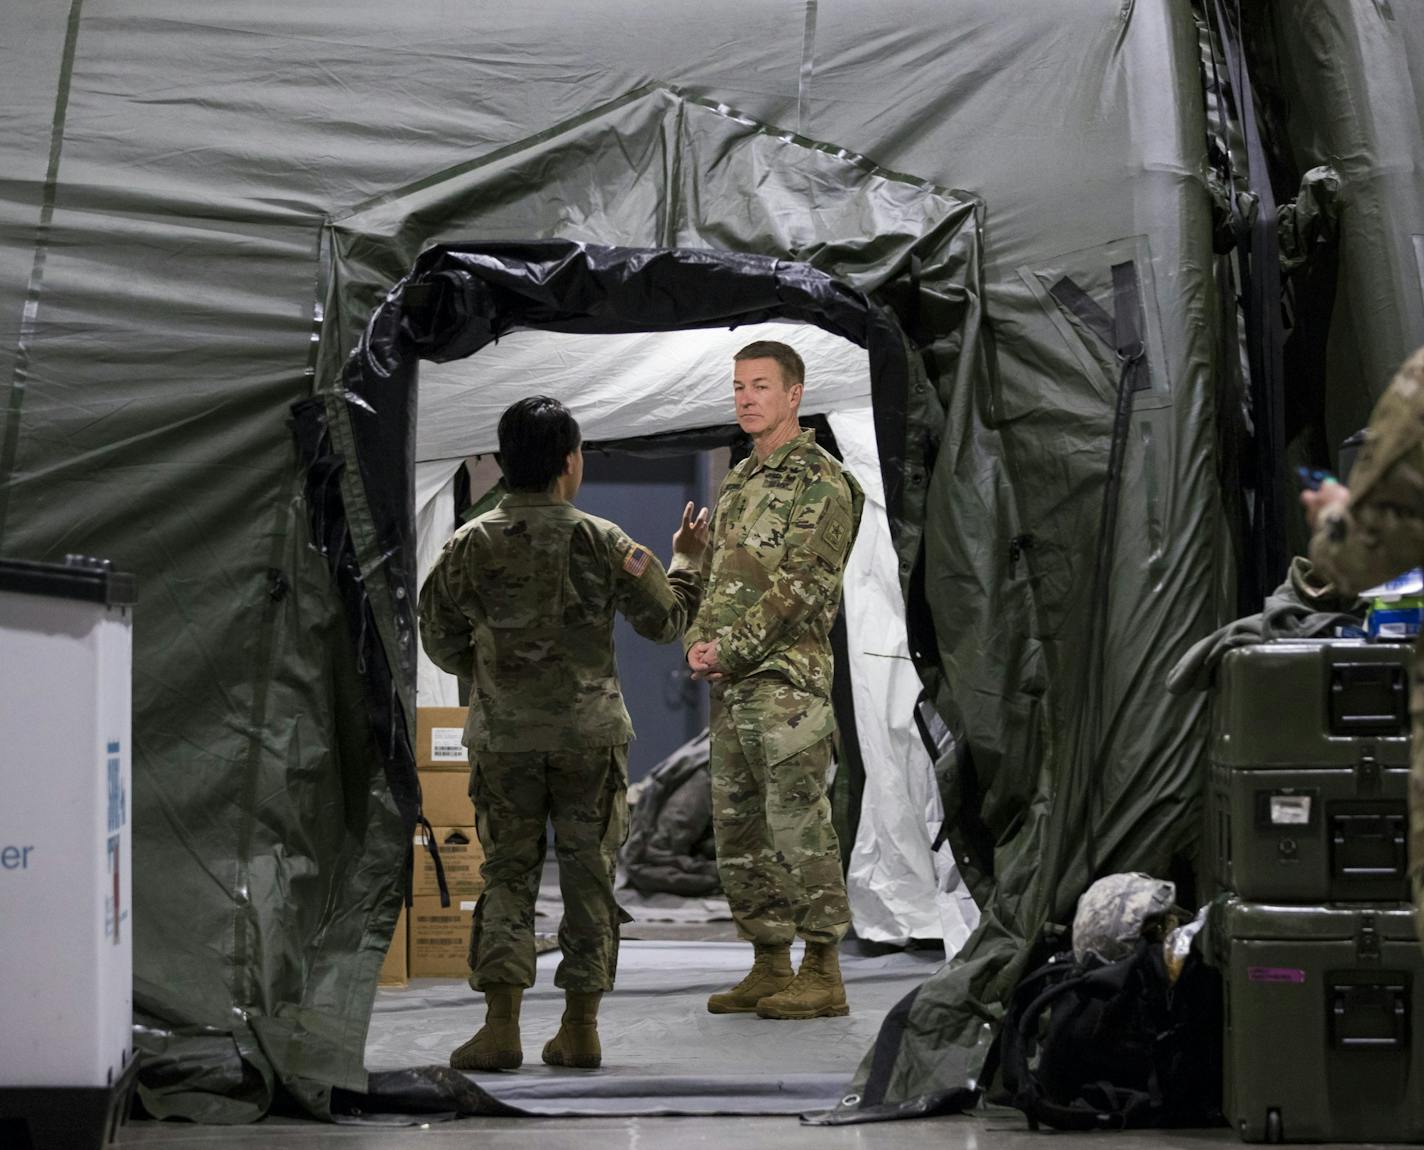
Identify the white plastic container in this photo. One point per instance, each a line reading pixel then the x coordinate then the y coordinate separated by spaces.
pixel 66 958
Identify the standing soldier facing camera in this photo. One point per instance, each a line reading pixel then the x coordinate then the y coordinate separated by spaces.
pixel 520 606
pixel 785 520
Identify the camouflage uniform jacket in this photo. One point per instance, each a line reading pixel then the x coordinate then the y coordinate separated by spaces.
pixel 1380 532
pixel 520 604
pixel 779 541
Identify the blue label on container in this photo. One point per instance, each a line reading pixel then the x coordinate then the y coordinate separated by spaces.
pixel 118 801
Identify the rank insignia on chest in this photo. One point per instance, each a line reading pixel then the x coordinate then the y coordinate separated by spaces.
pixel 636 561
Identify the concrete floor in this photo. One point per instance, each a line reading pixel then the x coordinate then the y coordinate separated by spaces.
pixel 996 1131
pixel 984 1130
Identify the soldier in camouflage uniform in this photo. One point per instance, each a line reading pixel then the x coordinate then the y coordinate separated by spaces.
pixel 1374 530
pixel 785 520
pixel 520 606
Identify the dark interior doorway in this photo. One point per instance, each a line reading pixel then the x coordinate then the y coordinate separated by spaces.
pixel 645 496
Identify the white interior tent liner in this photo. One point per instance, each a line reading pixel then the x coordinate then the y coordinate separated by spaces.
pixel 627 386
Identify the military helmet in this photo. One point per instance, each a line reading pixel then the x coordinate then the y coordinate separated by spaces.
pixel 1118 910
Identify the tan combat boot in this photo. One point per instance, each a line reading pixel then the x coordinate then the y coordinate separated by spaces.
pixel 496 1045
pixel 770 972
pixel 577 1043
pixel 815 992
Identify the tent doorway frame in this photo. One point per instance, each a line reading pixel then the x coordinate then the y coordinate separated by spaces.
pixel 459 298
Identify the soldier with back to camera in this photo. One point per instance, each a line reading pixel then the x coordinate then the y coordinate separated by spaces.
pixel 1372 531
pixel 520 605
pixel 785 520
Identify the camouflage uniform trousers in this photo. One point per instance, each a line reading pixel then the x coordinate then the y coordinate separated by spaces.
pixel 777 852
pixel 516 794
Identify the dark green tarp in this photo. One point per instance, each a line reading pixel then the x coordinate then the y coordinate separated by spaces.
pixel 199 209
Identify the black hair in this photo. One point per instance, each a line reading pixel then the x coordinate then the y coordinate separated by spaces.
pixel 793 369
pixel 536 437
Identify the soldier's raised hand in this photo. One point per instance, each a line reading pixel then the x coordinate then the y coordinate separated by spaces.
pixel 690 538
pixel 1330 494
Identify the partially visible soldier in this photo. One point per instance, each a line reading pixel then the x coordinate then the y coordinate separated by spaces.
pixel 520 605
pixel 785 520
pixel 1372 531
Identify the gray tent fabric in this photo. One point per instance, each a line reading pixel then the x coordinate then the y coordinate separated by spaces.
pixel 200 210
pixel 670 847
pixel 1071 760
pixel 460 297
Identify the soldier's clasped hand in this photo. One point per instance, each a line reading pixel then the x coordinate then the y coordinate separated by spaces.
pixel 702 658
pixel 690 538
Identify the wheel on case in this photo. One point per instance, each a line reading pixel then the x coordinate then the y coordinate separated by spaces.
pixel 1273 1126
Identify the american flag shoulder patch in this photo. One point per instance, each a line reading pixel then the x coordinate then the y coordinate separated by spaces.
pixel 636 561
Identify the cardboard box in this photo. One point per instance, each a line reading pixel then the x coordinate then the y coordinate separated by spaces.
pixel 395 971
pixel 445 798
pixel 461 856
pixel 438 735
pixel 440 937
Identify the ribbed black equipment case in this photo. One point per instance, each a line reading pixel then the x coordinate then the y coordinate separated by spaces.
pixel 1309 772
pixel 1322 1005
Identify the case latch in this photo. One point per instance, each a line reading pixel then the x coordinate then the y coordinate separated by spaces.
pixel 1367 941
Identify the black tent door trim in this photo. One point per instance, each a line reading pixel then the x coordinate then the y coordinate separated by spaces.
pixel 458 299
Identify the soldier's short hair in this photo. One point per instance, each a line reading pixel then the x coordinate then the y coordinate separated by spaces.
pixel 793 369
pixel 536 437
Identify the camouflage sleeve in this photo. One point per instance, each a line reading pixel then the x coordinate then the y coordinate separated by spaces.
pixel 1379 533
pixel 444 630
pixel 818 540
pixel 659 604
pixel 695 632
pixel 1378 536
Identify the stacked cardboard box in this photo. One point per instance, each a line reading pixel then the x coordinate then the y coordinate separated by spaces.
pixel 460 857
pixel 440 936
pixel 445 798
pixel 439 732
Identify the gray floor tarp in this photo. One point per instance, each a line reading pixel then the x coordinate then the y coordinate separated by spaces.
pixel 663 1053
